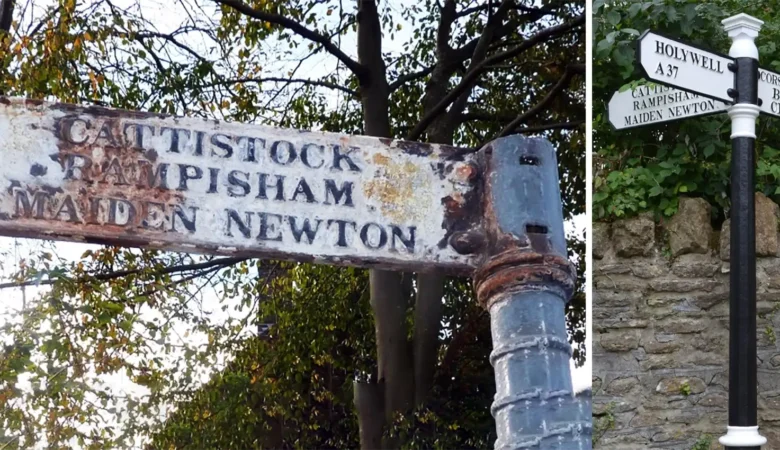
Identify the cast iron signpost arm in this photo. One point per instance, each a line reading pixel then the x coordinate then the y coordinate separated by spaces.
pixel 524 282
pixel 100 175
pixel 743 425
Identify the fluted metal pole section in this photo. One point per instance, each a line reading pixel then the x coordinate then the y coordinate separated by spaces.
pixel 524 283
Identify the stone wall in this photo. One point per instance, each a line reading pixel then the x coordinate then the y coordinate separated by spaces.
pixel 661 318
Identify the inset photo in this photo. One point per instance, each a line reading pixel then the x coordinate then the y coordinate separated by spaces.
pixel 686 257
pixel 293 224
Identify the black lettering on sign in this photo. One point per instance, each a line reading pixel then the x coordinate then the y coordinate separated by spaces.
pixel 153 216
pixel 223 143
pixel 304 189
pixel 379 238
pixel 408 242
pixel 187 221
pixel 332 191
pixel 305 229
pixel 263 185
pixel 68 208
pixel 186 173
pixel 150 179
pixel 270 231
pixel 113 168
pixel 239 183
pixel 338 157
pixel 199 136
pixel 685 55
pixel 94 211
pixel 65 127
pixel 283 153
pixel 213 176
pixel 244 226
pixel 106 134
pixel 342 224
pixel 175 146
pixel 250 149
pixel 35 209
pixel 305 157
pixel 138 128
pixel 76 167
pixel 120 212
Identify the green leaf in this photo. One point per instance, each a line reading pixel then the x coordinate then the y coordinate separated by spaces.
pixel 613 17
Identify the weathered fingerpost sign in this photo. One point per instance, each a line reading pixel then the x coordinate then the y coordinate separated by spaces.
pixel 684 66
pixel 100 175
pixel 128 178
pixel 651 104
pixel 749 90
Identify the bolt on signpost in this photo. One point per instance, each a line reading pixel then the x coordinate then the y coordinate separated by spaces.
pixel 705 80
pixel 100 175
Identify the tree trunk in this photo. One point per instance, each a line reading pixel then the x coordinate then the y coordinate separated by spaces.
pixel 369 400
pixel 427 323
pixel 6 14
pixel 387 294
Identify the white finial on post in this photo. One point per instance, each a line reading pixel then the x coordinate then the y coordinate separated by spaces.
pixel 743 31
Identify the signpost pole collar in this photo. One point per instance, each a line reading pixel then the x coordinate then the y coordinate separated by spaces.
pixel 743 30
pixel 743 120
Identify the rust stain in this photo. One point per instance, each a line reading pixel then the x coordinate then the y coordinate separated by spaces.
pixel 107 171
pixel 516 262
pixel 515 271
pixel 394 186
pixel 380 159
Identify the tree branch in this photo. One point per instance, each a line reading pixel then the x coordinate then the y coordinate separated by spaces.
pixel 44 21
pixel 326 84
pixel 485 116
pixel 123 273
pixel 472 75
pixel 486 6
pixel 480 53
pixel 300 30
pixel 410 77
pixel 550 126
pixel 170 38
pixel 570 71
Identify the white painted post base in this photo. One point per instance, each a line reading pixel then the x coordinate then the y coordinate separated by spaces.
pixel 742 437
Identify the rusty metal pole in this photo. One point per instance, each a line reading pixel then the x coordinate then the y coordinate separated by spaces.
pixel 524 282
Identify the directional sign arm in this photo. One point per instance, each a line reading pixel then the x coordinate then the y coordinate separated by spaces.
pixel 126 178
pixel 652 104
pixel 685 66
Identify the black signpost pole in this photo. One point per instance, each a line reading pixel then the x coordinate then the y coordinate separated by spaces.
pixel 662 60
pixel 743 422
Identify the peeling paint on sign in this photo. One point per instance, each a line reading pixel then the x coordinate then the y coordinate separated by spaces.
pixel 128 178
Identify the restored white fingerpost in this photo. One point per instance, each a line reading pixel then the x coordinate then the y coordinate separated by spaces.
pixel 743 420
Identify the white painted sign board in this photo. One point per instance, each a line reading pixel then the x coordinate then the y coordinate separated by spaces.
pixel 769 92
pixel 685 67
pixel 127 178
pixel 650 104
